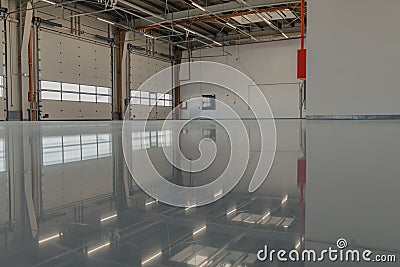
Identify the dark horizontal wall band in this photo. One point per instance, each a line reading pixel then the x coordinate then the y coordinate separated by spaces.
pixel 353 117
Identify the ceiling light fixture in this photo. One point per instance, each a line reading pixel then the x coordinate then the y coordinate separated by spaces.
pixel 217 43
pixel 284 35
pixel 232 26
pixel 198 6
pixel 191 31
pixel 149 36
pixel 107 21
pixel 49 2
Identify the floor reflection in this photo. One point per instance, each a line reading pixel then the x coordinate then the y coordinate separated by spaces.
pixel 89 212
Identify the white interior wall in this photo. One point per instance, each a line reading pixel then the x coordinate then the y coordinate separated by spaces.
pixel 361 178
pixel 353 58
pixel 272 66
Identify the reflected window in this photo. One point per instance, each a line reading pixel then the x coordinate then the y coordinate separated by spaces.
pixel 208 102
pixel 2 155
pixel 52 150
pixel 144 140
pixel 73 148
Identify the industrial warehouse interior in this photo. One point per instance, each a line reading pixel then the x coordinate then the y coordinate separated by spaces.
pixel 221 133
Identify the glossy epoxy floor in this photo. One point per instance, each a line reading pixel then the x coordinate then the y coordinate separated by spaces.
pixel 91 213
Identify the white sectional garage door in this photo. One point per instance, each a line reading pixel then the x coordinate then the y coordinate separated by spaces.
pixel 75 78
pixel 142 68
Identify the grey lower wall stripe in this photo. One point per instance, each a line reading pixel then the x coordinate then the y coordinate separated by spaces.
pixel 353 117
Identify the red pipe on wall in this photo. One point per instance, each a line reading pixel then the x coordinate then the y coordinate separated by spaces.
pixel 302 52
pixel 302 22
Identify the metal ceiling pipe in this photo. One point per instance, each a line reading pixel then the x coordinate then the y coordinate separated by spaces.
pixel 231 7
pixel 211 18
pixel 225 23
pixel 303 11
pixel 262 17
pixel 160 17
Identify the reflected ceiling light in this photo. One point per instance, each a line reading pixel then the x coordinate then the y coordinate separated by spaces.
pixel 49 2
pixel 106 21
pixel 49 238
pixel 109 217
pixel 218 193
pixel 284 35
pixel 232 26
pixel 150 203
pixel 198 6
pixel 297 245
pixel 151 258
pixel 98 248
pixel 266 216
pixel 200 230
pixel 204 264
pixel 190 207
pixel 230 212
pixel 285 199
pixel 266 20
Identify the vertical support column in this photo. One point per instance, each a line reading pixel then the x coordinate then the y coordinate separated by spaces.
pixel 3 60
pixel 122 73
pixel 13 81
pixel 176 93
pixel 26 66
pixel 30 182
